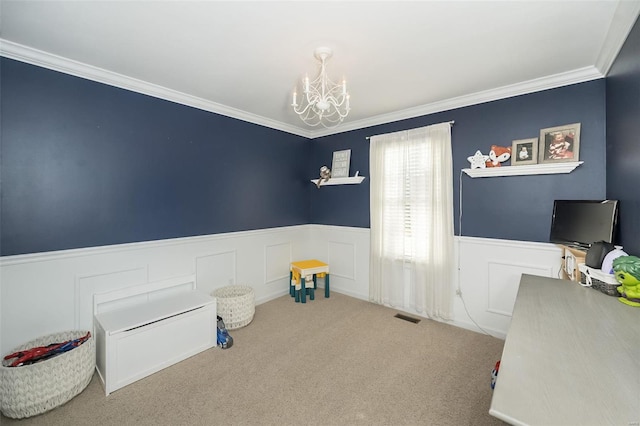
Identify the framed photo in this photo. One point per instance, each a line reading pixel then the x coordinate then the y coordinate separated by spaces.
pixel 524 151
pixel 560 144
pixel 340 165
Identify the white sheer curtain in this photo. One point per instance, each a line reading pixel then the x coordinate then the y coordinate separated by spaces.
pixel 411 261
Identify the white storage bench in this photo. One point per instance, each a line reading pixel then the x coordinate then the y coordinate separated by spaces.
pixel 143 329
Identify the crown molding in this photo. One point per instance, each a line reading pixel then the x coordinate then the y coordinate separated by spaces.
pixel 43 59
pixel 536 85
pixel 57 63
pixel 624 18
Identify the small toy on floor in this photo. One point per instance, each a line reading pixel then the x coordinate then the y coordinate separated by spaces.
pixel 494 375
pixel 224 340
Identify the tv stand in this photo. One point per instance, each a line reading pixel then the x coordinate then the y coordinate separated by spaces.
pixel 571 257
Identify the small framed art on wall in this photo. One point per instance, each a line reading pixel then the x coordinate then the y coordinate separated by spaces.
pixel 340 165
pixel 560 144
pixel 524 151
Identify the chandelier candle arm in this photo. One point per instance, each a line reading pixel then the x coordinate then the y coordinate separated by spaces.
pixel 323 102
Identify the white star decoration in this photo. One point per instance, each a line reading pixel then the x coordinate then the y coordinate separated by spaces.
pixel 478 160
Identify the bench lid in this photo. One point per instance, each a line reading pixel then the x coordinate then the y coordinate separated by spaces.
pixel 123 319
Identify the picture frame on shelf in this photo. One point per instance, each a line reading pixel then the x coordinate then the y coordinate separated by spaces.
pixel 560 144
pixel 524 151
pixel 340 164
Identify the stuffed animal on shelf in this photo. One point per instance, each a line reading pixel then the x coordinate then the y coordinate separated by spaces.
pixel 478 160
pixel 497 155
pixel 325 175
pixel 627 271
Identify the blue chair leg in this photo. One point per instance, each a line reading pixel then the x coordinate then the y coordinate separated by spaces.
pixel 315 282
pixel 303 291
pixel 292 287
pixel 326 286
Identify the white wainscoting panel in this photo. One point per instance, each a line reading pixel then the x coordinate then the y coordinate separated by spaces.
pixel 342 259
pixel 44 293
pixel 88 285
pixel 216 270
pixel 501 294
pixel 277 262
pixel 346 250
pixel 489 275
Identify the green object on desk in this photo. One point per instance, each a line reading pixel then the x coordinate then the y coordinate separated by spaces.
pixel 627 271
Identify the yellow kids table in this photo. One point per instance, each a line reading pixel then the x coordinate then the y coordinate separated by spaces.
pixel 302 273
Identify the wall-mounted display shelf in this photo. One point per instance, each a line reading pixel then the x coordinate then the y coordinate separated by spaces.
pixel 533 169
pixel 352 180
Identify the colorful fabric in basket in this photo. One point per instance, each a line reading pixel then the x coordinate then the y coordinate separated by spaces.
pixel 41 353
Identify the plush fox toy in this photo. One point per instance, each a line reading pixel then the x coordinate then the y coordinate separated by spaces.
pixel 497 155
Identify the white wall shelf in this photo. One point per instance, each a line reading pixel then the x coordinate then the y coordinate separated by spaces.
pixel 533 169
pixel 352 180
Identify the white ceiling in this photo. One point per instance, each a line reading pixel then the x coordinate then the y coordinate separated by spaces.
pixel 400 59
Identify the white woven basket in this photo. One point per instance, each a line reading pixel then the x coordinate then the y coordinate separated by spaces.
pixel 33 389
pixel 235 305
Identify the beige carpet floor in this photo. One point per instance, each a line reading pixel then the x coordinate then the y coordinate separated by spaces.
pixel 336 361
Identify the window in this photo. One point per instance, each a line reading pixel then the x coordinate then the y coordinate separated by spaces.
pixel 411 260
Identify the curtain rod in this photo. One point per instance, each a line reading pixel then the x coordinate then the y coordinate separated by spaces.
pixel 451 123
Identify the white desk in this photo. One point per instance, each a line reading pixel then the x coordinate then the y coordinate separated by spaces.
pixel 571 357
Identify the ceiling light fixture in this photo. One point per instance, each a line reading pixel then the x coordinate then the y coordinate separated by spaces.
pixel 323 101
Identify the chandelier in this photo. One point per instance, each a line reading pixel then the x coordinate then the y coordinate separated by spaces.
pixel 323 101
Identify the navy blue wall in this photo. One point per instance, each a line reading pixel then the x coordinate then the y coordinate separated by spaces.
pixel 623 139
pixel 86 164
pixel 517 207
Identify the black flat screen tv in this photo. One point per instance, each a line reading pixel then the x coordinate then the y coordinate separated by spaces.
pixel 583 222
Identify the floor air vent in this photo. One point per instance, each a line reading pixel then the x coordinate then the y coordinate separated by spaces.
pixel 407 318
